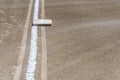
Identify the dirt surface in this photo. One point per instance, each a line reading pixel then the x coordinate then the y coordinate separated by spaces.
pixel 84 42
pixel 12 19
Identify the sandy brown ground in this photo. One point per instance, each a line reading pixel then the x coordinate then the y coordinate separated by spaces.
pixel 78 48
pixel 12 18
pixel 83 44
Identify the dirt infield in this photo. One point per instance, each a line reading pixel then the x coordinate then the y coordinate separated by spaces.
pixel 12 19
pixel 82 44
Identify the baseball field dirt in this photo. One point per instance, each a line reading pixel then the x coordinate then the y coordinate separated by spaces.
pixel 82 44
pixel 84 41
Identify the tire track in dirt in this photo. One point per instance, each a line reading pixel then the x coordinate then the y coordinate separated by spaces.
pixel 44 48
pixel 18 70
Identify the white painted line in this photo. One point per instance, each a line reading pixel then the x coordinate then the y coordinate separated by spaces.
pixel 30 75
pixel 17 73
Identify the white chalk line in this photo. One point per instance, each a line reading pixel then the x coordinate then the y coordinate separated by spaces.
pixel 30 75
pixel 17 73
